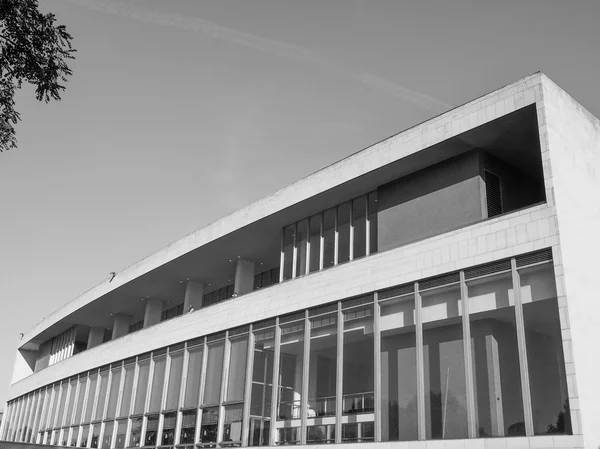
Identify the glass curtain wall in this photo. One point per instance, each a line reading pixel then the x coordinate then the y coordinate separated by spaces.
pixel 318 368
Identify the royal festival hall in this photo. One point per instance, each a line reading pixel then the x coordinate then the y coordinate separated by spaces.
pixel 437 289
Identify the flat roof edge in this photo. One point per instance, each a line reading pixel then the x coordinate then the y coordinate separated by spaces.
pixel 275 202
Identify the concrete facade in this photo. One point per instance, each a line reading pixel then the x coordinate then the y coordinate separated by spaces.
pixel 566 222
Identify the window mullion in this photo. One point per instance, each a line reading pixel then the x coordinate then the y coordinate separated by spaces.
pixel 421 424
pixel 470 392
pixel 305 375
pixel 275 387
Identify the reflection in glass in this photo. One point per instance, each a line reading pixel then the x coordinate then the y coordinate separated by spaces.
pixel 212 391
pixel 288 435
pixel 102 394
pixel 232 427
pixel 194 371
pixel 127 390
pixel 445 384
pixel 85 430
pixel 208 429
pixel 262 387
pixel 80 398
pixel 359 363
pixel 115 384
pixel 74 436
pixel 107 436
pixel 174 380
pixel 95 435
pixel 93 379
pixel 136 432
pixel 290 370
pixel 288 251
pixel 70 403
pixel 158 380
pixel 168 432
pixel 496 374
pixel 237 369
pixel 320 434
pixel 343 225
pixel 151 431
pixel 121 431
pixel 329 238
pixel 398 369
pixel 142 386
pixel 322 365
pixel 315 243
pixel 363 431
pixel 301 246
pixel 188 427
pixel 61 406
pixel 547 379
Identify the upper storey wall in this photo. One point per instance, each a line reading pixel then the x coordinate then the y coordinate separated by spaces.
pixel 443 127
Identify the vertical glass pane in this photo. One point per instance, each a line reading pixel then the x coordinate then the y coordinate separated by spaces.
pixel 398 369
pixel 301 243
pixel 359 361
pixel 343 212
pixel 290 370
pixel 288 435
pixel 64 388
pixel 127 390
pixel 40 408
pixel 107 437
pixel 208 428
pixel 329 237
pixel 496 373
pixel 158 381
pixel 95 435
pixel 168 432
pixel 74 436
pixel 85 430
pixel 262 386
pixel 321 434
pixel 288 251
pixel 151 431
pixel 232 425
pixel 102 394
pixel 237 369
pixel 322 366
pixel 136 432
pixel 372 222
pixel 54 406
pixel 91 395
pixel 113 396
pixel 188 427
pixel 71 402
pixel 80 399
pixel 315 243
pixel 214 370
pixel 142 386
pixel 194 373
pixel 445 387
pixel 359 224
pixel 121 433
pixel 547 378
pixel 174 380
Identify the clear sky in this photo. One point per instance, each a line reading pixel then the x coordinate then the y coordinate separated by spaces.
pixel 182 111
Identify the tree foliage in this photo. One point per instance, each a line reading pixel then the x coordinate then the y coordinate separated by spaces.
pixel 35 50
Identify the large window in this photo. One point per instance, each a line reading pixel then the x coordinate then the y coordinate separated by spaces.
pixel 262 384
pixel 174 386
pixel 194 373
pixel 444 362
pixel 289 397
pixel 456 357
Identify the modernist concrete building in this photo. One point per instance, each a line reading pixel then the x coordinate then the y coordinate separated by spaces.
pixel 435 290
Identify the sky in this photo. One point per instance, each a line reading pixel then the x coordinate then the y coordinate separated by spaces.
pixel 181 112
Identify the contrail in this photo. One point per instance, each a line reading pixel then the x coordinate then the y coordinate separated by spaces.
pixel 270 46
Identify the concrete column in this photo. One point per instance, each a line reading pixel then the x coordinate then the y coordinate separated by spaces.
pixel 244 277
pixel 96 337
pixel 193 295
pixel 152 312
pixel 120 325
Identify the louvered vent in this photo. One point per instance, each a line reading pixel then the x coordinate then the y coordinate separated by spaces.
pixel 176 347
pixel 493 193
pixel 544 255
pixel 439 281
pixel 215 337
pixel 291 317
pixel 195 342
pixel 396 291
pixel 239 330
pixel 160 351
pixel 264 324
pixel 323 309
pixel 353 302
pixel 487 269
